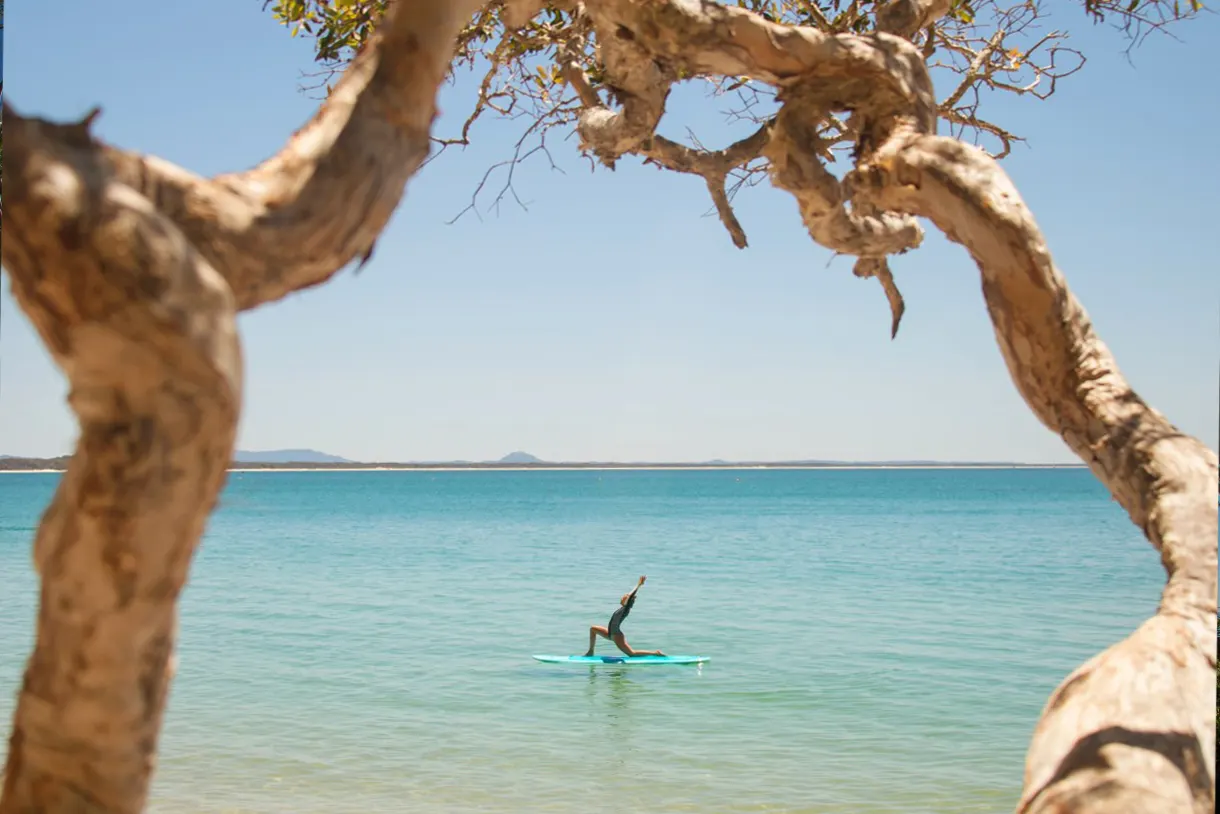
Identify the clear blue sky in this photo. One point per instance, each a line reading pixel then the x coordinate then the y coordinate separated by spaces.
pixel 613 320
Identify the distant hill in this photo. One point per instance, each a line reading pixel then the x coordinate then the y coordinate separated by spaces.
pixel 287 456
pixel 312 459
pixel 520 458
pixel 17 463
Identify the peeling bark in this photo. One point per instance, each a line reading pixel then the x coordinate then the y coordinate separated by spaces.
pixel 823 203
pixel 641 86
pixel 883 78
pixel 1133 729
pixel 298 218
pixel 145 329
pixel 904 18
pixel 132 270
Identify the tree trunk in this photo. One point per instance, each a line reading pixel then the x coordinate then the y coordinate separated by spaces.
pixel 137 303
pixel 146 331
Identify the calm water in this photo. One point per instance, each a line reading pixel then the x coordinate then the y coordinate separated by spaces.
pixel 880 641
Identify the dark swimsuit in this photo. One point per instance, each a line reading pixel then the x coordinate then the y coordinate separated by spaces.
pixel 619 615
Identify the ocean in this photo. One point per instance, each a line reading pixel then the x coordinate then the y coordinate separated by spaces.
pixel 879 640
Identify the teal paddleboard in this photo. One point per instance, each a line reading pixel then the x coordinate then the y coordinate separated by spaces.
pixel 622 659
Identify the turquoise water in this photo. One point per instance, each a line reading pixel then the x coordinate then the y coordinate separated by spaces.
pixel 880 641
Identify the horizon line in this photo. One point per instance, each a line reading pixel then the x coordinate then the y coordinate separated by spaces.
pixel 540 463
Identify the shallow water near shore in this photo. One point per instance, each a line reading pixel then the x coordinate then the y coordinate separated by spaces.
pixel 880 641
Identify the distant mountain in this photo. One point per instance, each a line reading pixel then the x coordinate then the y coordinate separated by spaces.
pixel 17 463
pixel 520 458
pixel 287 456
pixel 312 459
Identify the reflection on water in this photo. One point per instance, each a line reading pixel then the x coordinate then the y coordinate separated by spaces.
pixel 618 689
pixel 615 684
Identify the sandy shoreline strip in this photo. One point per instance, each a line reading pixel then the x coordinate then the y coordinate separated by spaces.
pixel 674 468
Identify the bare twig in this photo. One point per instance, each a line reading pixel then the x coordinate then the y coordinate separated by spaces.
pixel 811 8
pixel 539 127
pixel 714 166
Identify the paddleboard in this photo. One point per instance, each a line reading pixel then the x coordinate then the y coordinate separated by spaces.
pixel 622 659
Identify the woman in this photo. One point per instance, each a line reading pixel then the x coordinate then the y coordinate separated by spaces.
pixel 612 631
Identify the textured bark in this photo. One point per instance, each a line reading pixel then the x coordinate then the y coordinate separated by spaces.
pixel 145 330
pixel 132 271
pixel 882 78
pixel 321 202
pixel 1132 730
pixel 905 17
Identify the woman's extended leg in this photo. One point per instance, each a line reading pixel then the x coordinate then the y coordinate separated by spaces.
pixel 621 641
pixel 594 632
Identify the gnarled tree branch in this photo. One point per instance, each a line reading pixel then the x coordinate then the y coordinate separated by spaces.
pixel 132 270
pixel 904 18
pixel 817 73
pixel 1132 730
pixel 321 202
pixel 714 166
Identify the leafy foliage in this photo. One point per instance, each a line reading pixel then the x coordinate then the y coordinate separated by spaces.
pixel 978 49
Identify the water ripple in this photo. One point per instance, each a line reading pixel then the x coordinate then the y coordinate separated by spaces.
pixel 880 641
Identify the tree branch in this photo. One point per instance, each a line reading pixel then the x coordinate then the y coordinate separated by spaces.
pixel 1018 56
pixel 811 8
pixel 883 72
pixel 720 197
pixel 1132 730
pixel 884 77
pixel 714 166
pixel 640 84
pixel 796 168
pixel 298 218
pixel 879 268
pixel 974 69
pixel 1102 744
pixel 905 18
